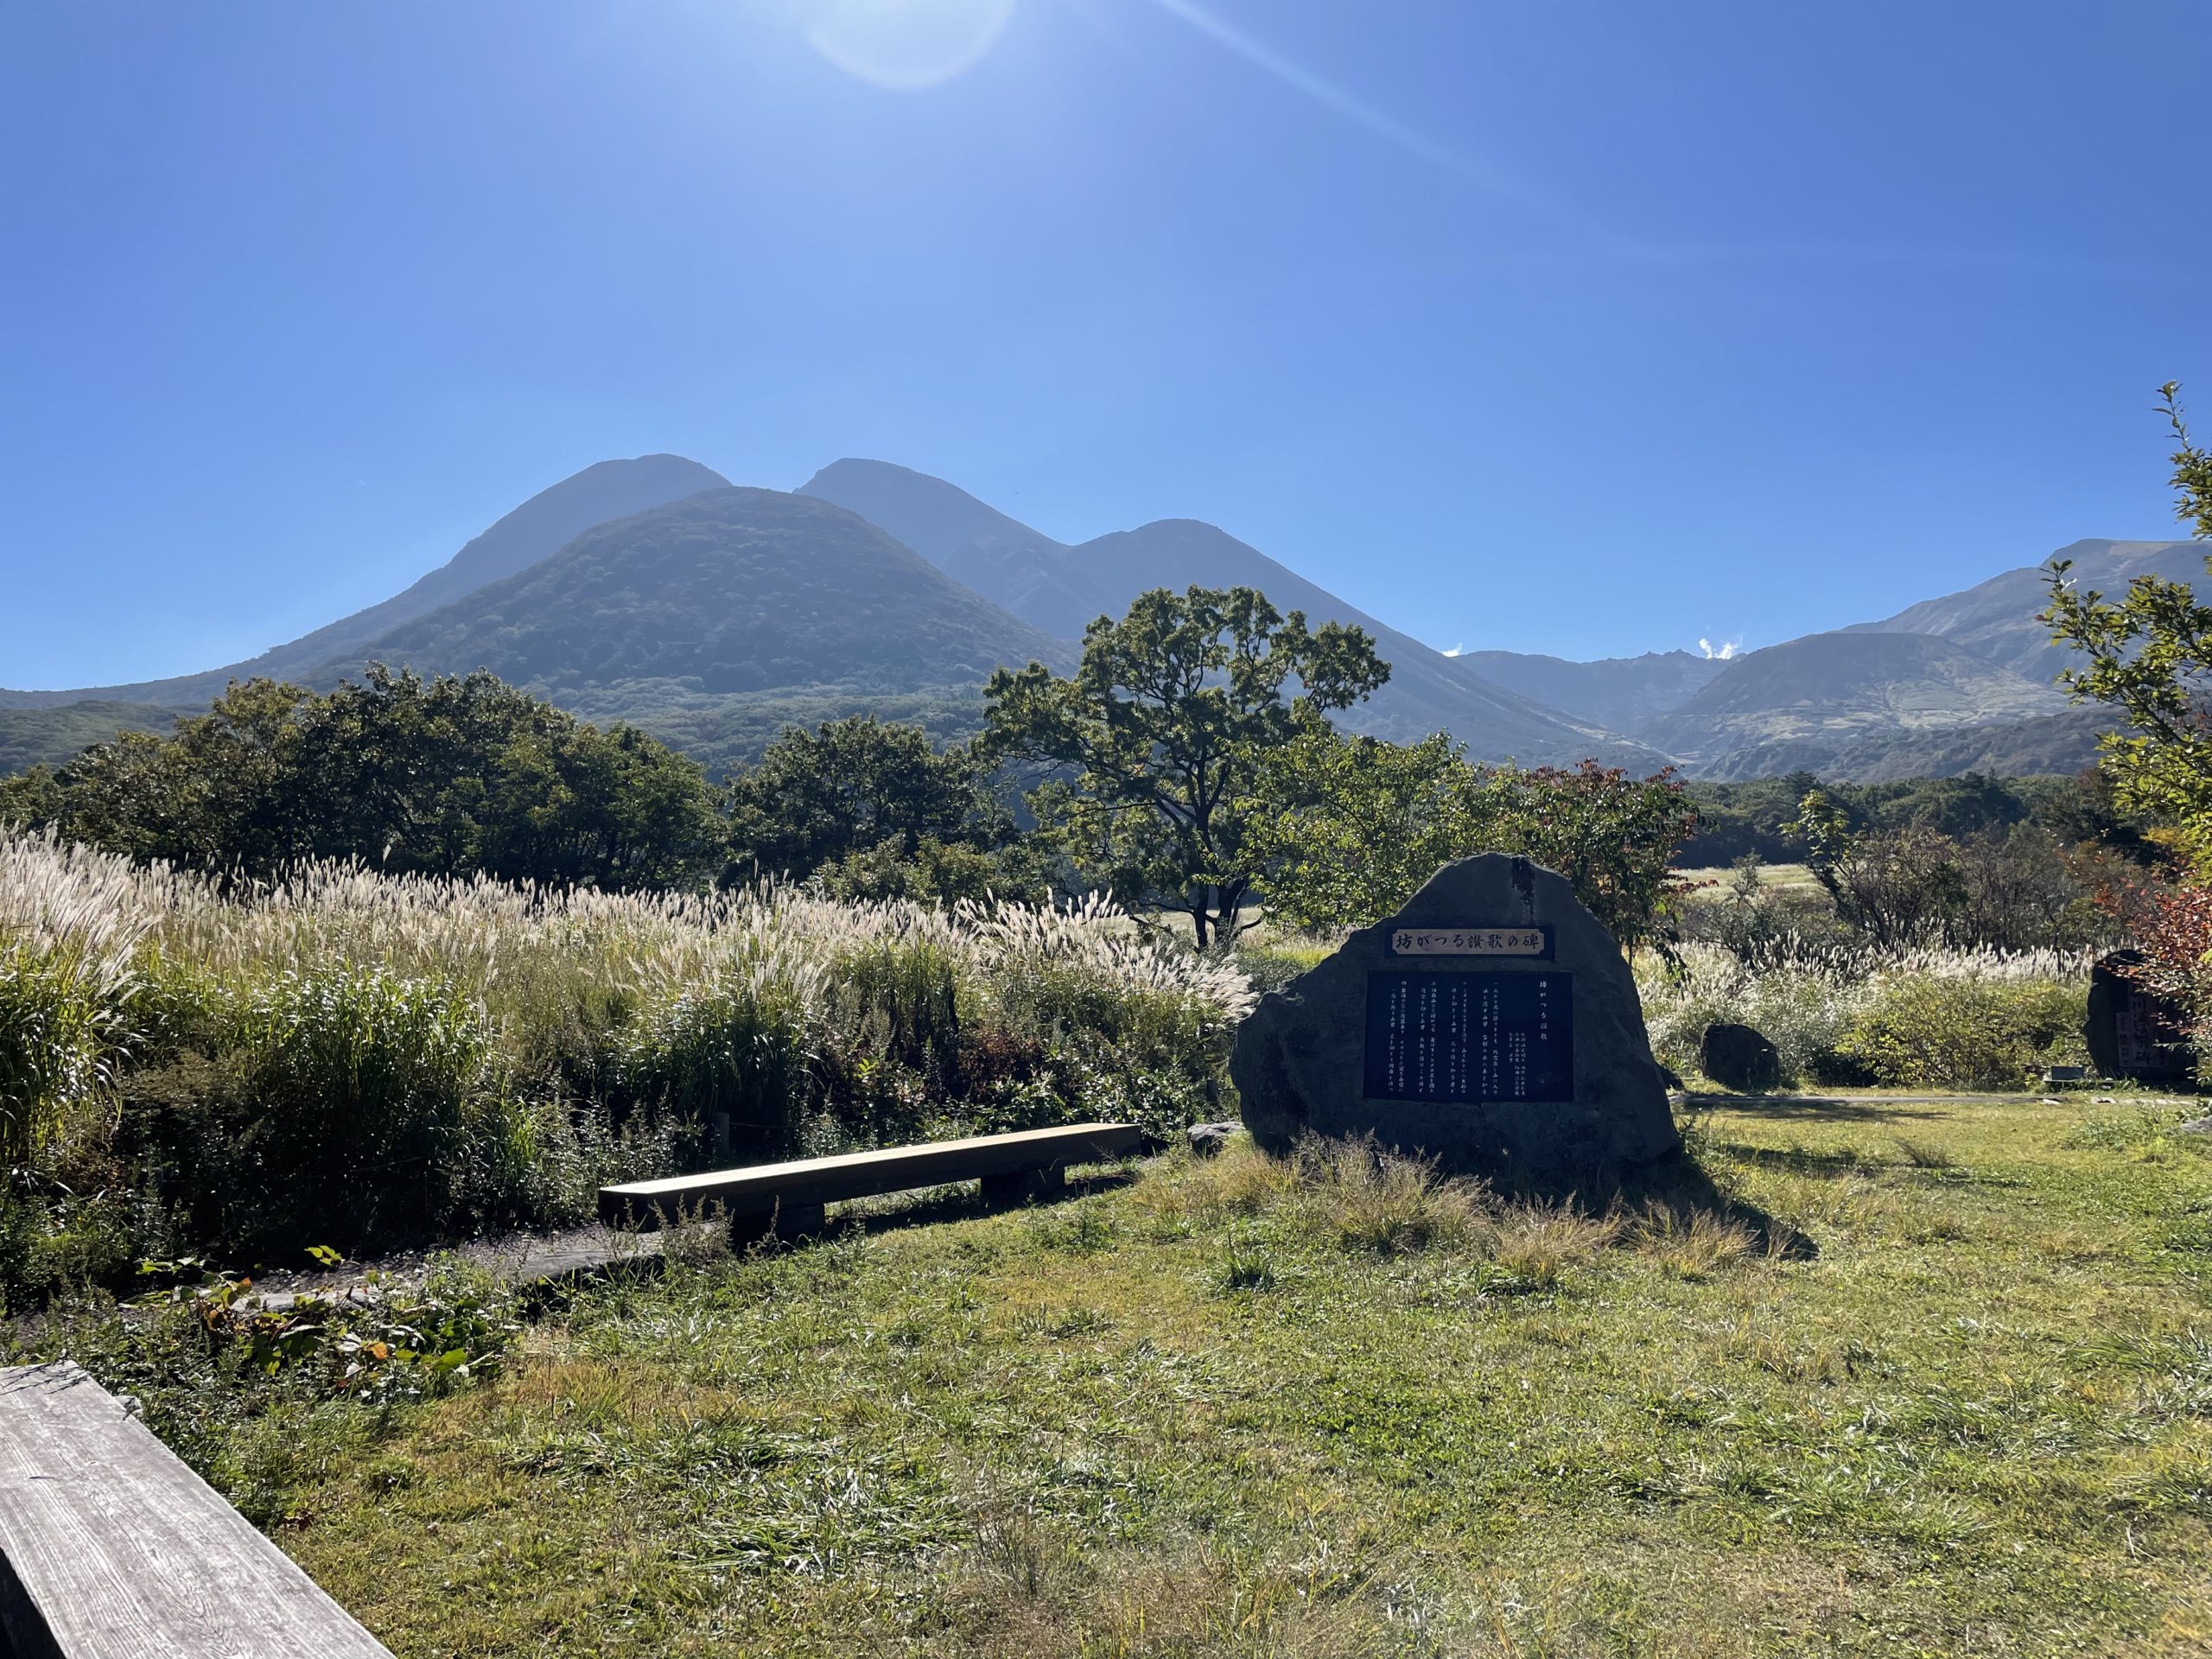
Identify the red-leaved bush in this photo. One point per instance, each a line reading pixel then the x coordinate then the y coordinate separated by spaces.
pixel 2172 928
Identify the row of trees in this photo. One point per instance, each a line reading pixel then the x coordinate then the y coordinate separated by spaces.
pixel 1760 817
pixel 443 776
pixel 1188 766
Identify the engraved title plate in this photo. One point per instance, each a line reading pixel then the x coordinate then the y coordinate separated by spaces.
pixel 1525 941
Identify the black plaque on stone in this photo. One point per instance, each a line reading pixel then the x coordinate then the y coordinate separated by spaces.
pixel 1470 1038
pixel 2133 1033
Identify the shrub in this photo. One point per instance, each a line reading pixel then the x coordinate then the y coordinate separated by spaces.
pixel 1927 1030
pixel 1272 967
pixel 902 997
pixel 1806 1014
pixel 350 1115
pixel 735 1047
pixel 934 873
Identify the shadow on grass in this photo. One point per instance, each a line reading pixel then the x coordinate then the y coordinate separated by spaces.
pixel 894 1212
pixel 1831 1109
pixel 1678 1185
pixel 1806 1161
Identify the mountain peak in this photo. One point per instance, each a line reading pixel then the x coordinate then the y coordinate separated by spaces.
pixel 940 521
pixel 538 528
pixel 725 592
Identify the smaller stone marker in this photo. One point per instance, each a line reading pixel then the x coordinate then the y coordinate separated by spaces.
pixel 1207 1139
pixel 1492 1025
pixel 2131 1032
pixel 1739 1057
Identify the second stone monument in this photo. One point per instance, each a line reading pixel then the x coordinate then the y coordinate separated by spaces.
pixel 1492 1025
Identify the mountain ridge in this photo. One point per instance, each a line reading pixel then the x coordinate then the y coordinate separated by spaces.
pixel 1031 576
pixel 1965 680
pixel 730 591
pixel 518 539
pixel 1996 618
pixel 1826 690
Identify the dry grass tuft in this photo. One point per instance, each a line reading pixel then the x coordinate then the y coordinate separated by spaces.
pixel 1239 1180
pixel 1027 1597
pixel 1382 1202
pixel 1538 1241
pixel 1692 1245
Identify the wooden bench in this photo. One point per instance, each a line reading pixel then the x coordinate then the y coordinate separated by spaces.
pixel 1029 1163
pixel 112 1548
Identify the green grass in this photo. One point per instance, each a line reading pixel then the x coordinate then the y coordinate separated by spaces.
pixel 1239 1408
pixel 1714 879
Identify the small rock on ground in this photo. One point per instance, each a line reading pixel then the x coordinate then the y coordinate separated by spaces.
pixel 1207 1139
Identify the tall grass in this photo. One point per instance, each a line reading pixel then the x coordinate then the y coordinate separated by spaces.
pixel 1921 1018
pixel 417 1056
pixel 67 937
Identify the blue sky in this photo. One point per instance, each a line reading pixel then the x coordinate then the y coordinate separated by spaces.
pixel 1579 327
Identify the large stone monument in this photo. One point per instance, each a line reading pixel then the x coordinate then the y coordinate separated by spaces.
pixel 2133 1033
pixel 1492 1024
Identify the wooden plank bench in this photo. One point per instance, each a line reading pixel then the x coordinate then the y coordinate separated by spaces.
pixel 1029 1163
pixel 112 1548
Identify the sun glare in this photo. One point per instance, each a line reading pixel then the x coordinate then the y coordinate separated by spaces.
pixel 906 44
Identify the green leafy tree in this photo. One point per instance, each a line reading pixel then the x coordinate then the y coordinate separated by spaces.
pixel 1824 827
pixel 867 790
pixel 448 776
pixel 1613 835
pixel 1365 823
pixel 1163 739
pixel 1911 885
pixel 1358 826
pixel 2149 658
pixel 936 872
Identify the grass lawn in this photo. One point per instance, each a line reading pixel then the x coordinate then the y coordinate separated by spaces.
pixel 1204 1411
pixel 1713 880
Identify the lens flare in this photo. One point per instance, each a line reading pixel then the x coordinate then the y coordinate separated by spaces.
pixel 906 45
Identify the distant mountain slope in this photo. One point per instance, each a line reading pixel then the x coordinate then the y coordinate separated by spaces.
pixel 1060 588
pixel 541 525
pixel 1776 710
pixel 1996 619
pixel 29 737
pixel 1619 693
pixel 724 732
pixel 2047 745
pixel 1020 569
pixel 730 592
pixel 1427 692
